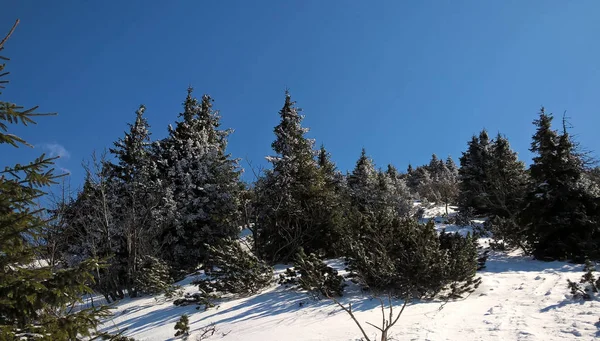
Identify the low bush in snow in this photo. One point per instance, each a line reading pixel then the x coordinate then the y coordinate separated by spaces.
pixel 409 259
pixel 233 270
pixel 588 284
pixel 153 277
pixel 312 274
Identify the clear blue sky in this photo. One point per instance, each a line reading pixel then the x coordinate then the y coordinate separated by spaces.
pixel 403 79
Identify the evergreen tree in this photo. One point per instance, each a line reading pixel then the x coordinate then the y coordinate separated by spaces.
pixel 504 199
pixel 182 327
pixel 560 215
pixel 444 185
pixel 34 299
pixel 332 198
pixel 91 230
pixel 200 198
pixel 138 196
pixel 473 174
pixel 290 205
pixel 362 183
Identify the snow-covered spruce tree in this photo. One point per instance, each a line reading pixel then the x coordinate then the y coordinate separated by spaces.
pixel 419 181
pixel 137 197
pixel 507 180
pixel 362 183
pixel 34 299
pixel 293 208
pixel 473 174
pixel 443 187
pixel 560 215
pixel 398 191
pixel 201 185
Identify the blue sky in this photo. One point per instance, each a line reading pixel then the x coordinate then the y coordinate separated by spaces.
pixel 403 79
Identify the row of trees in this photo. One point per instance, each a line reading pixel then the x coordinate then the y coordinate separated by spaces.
pixel 550 210
pixel 165 201
pixel 160 201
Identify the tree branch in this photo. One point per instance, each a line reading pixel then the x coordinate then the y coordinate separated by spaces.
pixel 9 33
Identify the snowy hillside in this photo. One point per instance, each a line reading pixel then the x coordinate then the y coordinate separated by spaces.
pixel 519 299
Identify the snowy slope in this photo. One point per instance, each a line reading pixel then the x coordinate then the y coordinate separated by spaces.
pixel 519 299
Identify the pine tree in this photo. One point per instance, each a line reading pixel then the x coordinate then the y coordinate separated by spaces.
pixel 34 299
pixel 92 231
pixel 232 270
pixel 560 215
pixel 290 205
pixel 362 183
pixel 505 195
pixel 202 185
pixel 138 196
pixel 182 327
pixel 444 186
pixel 333 200
pixel 473 174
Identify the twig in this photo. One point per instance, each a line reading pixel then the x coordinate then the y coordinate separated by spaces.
pixel 9 33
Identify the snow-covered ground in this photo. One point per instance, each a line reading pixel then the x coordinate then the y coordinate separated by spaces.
pixel 519 299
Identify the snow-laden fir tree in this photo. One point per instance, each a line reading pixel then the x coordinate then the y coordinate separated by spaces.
pixel 561 216
pixel 138 194
pixel 507 183
pixel 362 183
pixel 292 208
pixel 201 181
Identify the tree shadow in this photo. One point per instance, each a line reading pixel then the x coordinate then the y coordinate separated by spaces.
pixel 499 262
pixel 155 318
pixel 562 304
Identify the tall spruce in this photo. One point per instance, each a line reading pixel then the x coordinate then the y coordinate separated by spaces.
pixel 290 204
pixel 34 299
pixel 473 174
pixel 202 185
pixel 134 174
pixel 507 180
pixel 362 183
pixel 333 199
pixel 560 215
pixel 444 185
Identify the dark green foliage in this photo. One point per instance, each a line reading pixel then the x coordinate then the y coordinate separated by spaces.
pixel 233 270
pixel 153 278
pixel 182 327
pixel 311 274
pixel 34 300
pixel 296 201
pixel 588 284
pixel 136 195
pixel 504 198
pixel 460 268
pixel 561 214
pixel 474 167
pixel 200 298
pixel 409 259
pixel 200 204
